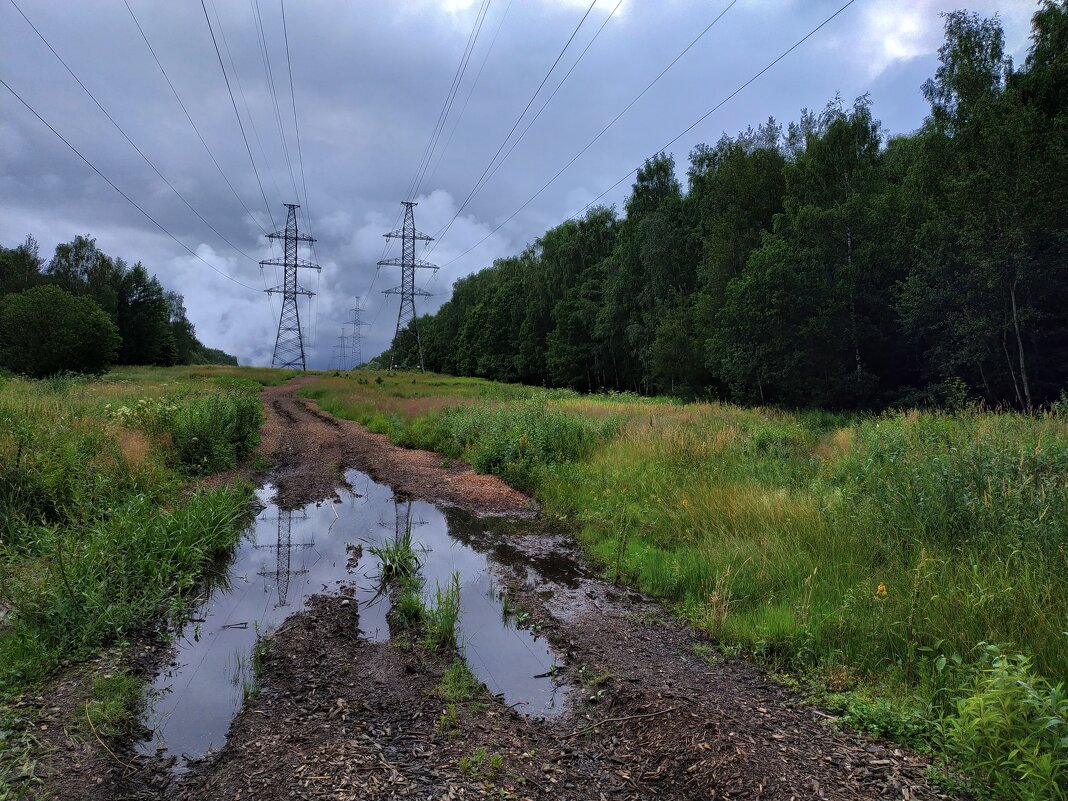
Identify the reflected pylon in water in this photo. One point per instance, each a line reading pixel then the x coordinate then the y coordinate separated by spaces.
pixel 283 552
pixel 404 516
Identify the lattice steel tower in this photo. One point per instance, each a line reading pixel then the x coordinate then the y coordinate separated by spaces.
pixel 339 351
pixel 407 291
pixel 289 343
pixel 356 342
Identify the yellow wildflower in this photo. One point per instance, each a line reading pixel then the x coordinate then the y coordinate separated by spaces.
pixel 880 592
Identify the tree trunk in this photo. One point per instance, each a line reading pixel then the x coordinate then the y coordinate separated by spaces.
pixel 1020 350
pixel 1008 361
pixel 986 384
pixel 853 305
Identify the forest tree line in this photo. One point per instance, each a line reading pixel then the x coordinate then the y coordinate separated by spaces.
pixel 824 264
pixel 84 311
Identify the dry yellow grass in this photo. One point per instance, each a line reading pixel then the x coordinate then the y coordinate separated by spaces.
pixel 135 446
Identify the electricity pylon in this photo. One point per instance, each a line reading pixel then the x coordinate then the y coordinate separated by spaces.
pixel 283 552
pixel 339 351
pixel 289 342
pixel 356 341
pixel 409 264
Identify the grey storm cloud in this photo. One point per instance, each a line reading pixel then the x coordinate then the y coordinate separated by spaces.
pixel 370 78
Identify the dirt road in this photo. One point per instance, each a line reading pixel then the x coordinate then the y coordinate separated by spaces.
pixel 653 712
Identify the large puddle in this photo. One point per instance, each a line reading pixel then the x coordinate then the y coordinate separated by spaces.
pixel 287 556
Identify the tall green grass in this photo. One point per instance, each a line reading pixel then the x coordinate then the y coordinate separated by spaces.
pixel 518 441
pixel 103 582
pixel 97 538
pixel 885 557
pixel 207 431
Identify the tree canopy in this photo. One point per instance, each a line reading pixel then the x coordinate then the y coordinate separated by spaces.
pixel 149 323
pixel 47 330
pixel 826 264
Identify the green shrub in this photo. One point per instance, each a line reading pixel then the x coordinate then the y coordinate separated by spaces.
pixel 1010 731
pixel 46 330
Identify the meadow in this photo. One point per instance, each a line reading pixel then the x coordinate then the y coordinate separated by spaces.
pixel 103 533
pixel 908 570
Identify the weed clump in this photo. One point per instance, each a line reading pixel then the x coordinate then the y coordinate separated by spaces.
pixel 115 705
pixel 408 602
pixel 458 683
pixel 439 618
pixel 480 763
pixel 397 558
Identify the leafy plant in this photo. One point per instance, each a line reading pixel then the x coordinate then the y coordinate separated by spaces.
pixel 1010 730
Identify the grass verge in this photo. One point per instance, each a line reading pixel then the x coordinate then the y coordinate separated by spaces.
pixel 897 563
pixel 100 539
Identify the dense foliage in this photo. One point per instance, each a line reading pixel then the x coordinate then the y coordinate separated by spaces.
pixel 44 331
pixel 149 324
pixel 821 265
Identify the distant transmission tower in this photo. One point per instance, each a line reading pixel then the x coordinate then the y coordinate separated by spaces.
pixel 283 549
pixel 289 343
pixel 356 341
pixel 339 351
pixel 407 291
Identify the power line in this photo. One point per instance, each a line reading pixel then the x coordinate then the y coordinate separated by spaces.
pixel 240 124
pixel 534 119
pixel 126 136
pixel 471 90
pixel 519 119
pixel 697 122
pixel 296 123
pixel 200 136
pixel 257 23
pixel 190 118
pixel 306 210
pixel 244 98
pixel 723 102
pixel 460 68
pixel 435 133
pixel 450 98
pixel 128 199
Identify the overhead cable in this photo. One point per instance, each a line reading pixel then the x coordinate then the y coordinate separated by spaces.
pixel 697 122
pixel 128 199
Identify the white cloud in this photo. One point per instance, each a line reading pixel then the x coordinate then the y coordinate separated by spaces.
pixel 892 31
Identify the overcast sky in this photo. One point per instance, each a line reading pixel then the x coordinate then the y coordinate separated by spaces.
pixel 370 80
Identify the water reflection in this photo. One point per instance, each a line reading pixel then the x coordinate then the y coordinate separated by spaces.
pixel 283 548
pixel 289 555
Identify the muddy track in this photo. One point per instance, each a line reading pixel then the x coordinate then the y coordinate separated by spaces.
pixel 310 449
pixel 654 713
